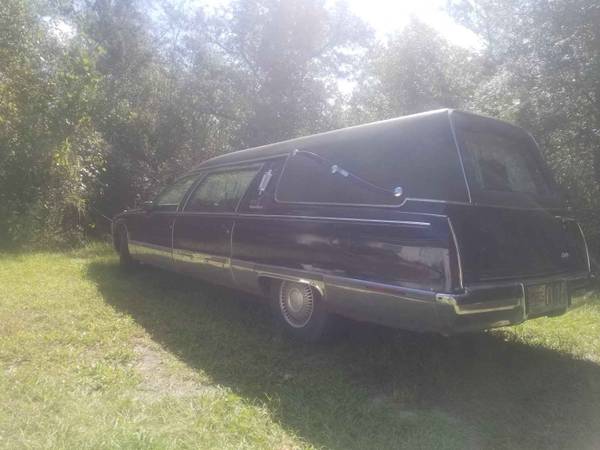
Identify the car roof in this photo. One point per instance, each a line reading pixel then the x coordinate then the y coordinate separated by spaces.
pixel 284 147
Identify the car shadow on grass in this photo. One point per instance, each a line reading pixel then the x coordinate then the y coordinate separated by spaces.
pixel 368 386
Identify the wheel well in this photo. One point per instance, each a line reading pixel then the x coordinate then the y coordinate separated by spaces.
pixel 269 284
pixel 119 228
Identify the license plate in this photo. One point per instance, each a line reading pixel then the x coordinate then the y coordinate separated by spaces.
pixel 547 297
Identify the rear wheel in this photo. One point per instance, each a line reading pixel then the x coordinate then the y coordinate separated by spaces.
pixel 299 309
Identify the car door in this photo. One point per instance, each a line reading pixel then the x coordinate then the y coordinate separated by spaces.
pixel 202 232
pixel 151 236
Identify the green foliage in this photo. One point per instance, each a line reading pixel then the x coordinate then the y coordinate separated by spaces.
pixel 415 71
pixel 103 102
pixel 50 152
pixel 97 118
pixel 544 73
pixel 289 55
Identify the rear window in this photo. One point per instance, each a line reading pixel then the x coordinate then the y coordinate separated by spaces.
pixel 502 162
pixel 366 166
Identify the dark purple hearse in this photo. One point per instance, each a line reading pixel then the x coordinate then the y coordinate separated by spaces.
pixel 443 221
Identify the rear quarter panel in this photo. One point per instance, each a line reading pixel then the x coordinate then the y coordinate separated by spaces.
pixel 364 258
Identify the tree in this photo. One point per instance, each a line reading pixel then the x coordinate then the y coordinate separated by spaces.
pixel 289 55
pixel 50 152
pixel 545 59
pixel 415 71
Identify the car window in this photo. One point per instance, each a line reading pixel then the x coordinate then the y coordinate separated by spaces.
pixel 172 195
pixel 261 191
pixel 498 162
pixel 221 191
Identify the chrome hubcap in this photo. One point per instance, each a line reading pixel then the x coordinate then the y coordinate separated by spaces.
pixel 297 303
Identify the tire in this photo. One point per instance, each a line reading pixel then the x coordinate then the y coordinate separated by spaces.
pixel 298 307
pixel 125 260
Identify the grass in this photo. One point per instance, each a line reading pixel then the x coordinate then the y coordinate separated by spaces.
pixel 91 357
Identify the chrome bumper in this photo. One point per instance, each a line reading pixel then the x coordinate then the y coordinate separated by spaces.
pixel 471 302
pixel 493 305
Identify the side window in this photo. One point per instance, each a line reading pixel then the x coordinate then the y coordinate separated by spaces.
pixel 261 192
pixel 221 191
pixel 170 197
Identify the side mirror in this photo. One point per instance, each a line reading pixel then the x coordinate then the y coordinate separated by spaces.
pixel 148 206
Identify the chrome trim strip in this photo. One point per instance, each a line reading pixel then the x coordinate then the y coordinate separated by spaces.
pixel 568 219
pixel 172 226
pixel 193 257
pixel 371 287
pixel 339 219
pixel 245 161
pixel 478 308
pixel 149 245
pixel 140 248
pixel 229 214
pixel 231 253
pixel 318 285
pixel 523 302
pixel 239 264
pixel 413 199
pixel 299 217
pixel 459 153
pixel 458 256
pixel 587 250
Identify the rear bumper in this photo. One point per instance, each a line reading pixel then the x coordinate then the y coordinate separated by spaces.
pixel 494 305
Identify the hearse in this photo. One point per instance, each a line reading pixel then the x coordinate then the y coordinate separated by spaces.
pixel 443 222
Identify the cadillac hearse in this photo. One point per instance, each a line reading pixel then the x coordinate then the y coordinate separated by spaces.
pixel 443 221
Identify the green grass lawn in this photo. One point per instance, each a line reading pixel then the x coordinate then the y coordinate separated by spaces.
pixel 91 357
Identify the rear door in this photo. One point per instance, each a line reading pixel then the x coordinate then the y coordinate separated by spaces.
pixel 502 243
pixel 202 233
pixel 514 227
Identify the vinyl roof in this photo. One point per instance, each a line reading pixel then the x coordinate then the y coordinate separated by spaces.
pixel 283 147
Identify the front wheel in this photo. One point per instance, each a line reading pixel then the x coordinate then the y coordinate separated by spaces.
pixel 299 308
pixel 125 259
